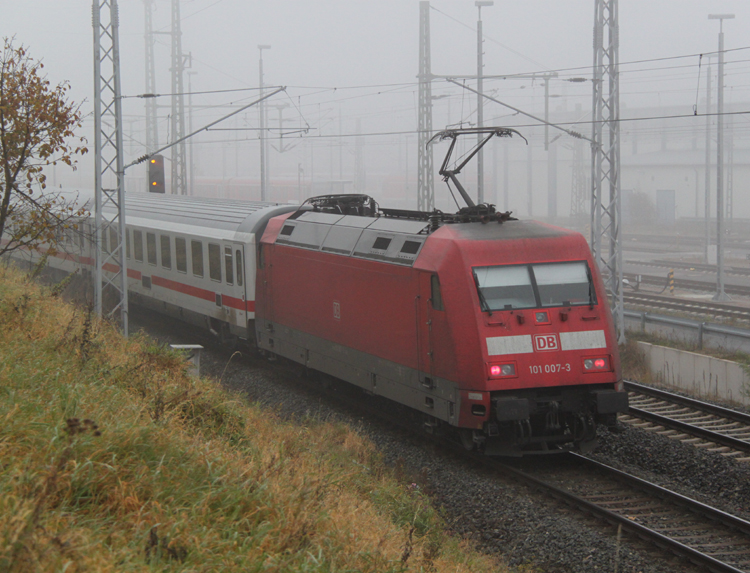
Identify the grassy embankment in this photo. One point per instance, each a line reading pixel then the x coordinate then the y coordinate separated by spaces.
pixel 113 459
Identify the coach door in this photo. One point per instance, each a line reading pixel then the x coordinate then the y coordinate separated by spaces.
pixel 234 273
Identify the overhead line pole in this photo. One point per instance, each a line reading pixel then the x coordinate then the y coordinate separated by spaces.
pixel 720 294
pixel 109 162
pixel 480 101
pixel 605 212
pixel 425 175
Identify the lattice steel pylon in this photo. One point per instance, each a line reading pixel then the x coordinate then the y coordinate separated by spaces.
pixel 605 157
pixel 179 154
pixel 109 163
pixel 152 128
pixel 579 185
pixel 425 175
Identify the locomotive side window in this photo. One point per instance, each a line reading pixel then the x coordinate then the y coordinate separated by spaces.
pixel 105 249
pixel 166 252
pixel 214 262
pixel 505 287
pixel 436 296
pixel 562 284
pixel 196 249
pixel 151 248
pixel 138 245
pixel 238 256
pixel 180 248
pixel 228 265
pixel 127 243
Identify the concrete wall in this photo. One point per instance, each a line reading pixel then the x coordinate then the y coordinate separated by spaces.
pixel 697 374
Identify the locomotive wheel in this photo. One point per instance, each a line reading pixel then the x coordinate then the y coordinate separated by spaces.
pixel 467 439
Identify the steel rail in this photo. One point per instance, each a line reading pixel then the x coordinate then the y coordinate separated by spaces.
pixel 701 286
pixel 662 264
pixel 642 531
pixel 720 411
pixel 686 305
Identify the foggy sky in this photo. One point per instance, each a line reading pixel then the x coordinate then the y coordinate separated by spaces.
pixel 318 45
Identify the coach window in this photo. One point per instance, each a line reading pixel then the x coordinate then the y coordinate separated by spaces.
pixel 238 256
pixel 436 296
pixel 112 239
pixel 214 262
pixel 166 252
pixel 180 250
pixel 228 269
pixel 138 245
pixel 104 243
pixel 127 243
pixel 151 248
pixel 196 249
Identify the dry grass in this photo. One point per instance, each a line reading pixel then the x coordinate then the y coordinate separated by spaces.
pixel 113 459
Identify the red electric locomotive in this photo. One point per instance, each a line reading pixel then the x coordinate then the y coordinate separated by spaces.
pixel 497 327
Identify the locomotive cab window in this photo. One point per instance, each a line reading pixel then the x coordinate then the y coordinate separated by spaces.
pixel 534 286
pixel 180 250
pixel 214 262
pixel 564 284
pixel 166 252
pixel 138 245
pixel 196 250
pixel 151 248
pixel 506 287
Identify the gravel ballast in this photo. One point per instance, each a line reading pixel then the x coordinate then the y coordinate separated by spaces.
pixel 501 516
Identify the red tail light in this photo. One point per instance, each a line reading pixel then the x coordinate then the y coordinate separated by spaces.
pixel 596 364
pixel 507 370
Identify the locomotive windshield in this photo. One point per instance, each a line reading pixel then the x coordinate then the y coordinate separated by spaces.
pixel 534 286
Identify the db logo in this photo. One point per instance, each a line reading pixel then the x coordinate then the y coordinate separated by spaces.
pixel 545 342
pixel 336 310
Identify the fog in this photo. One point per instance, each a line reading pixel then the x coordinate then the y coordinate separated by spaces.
pixel 350 68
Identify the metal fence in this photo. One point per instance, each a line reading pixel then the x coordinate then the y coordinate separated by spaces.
pixel 701 334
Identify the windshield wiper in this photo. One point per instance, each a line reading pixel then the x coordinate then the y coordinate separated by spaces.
pixel 591 287
pixel 482 301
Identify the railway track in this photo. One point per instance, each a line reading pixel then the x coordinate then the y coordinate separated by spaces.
pixel 687 284
pixel 709 538
pixel 704 307
pixel 739 271
pixel 691 421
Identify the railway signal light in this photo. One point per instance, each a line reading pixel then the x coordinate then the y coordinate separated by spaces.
pixel 156 174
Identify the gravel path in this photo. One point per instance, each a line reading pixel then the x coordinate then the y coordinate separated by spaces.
pixel 502 517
